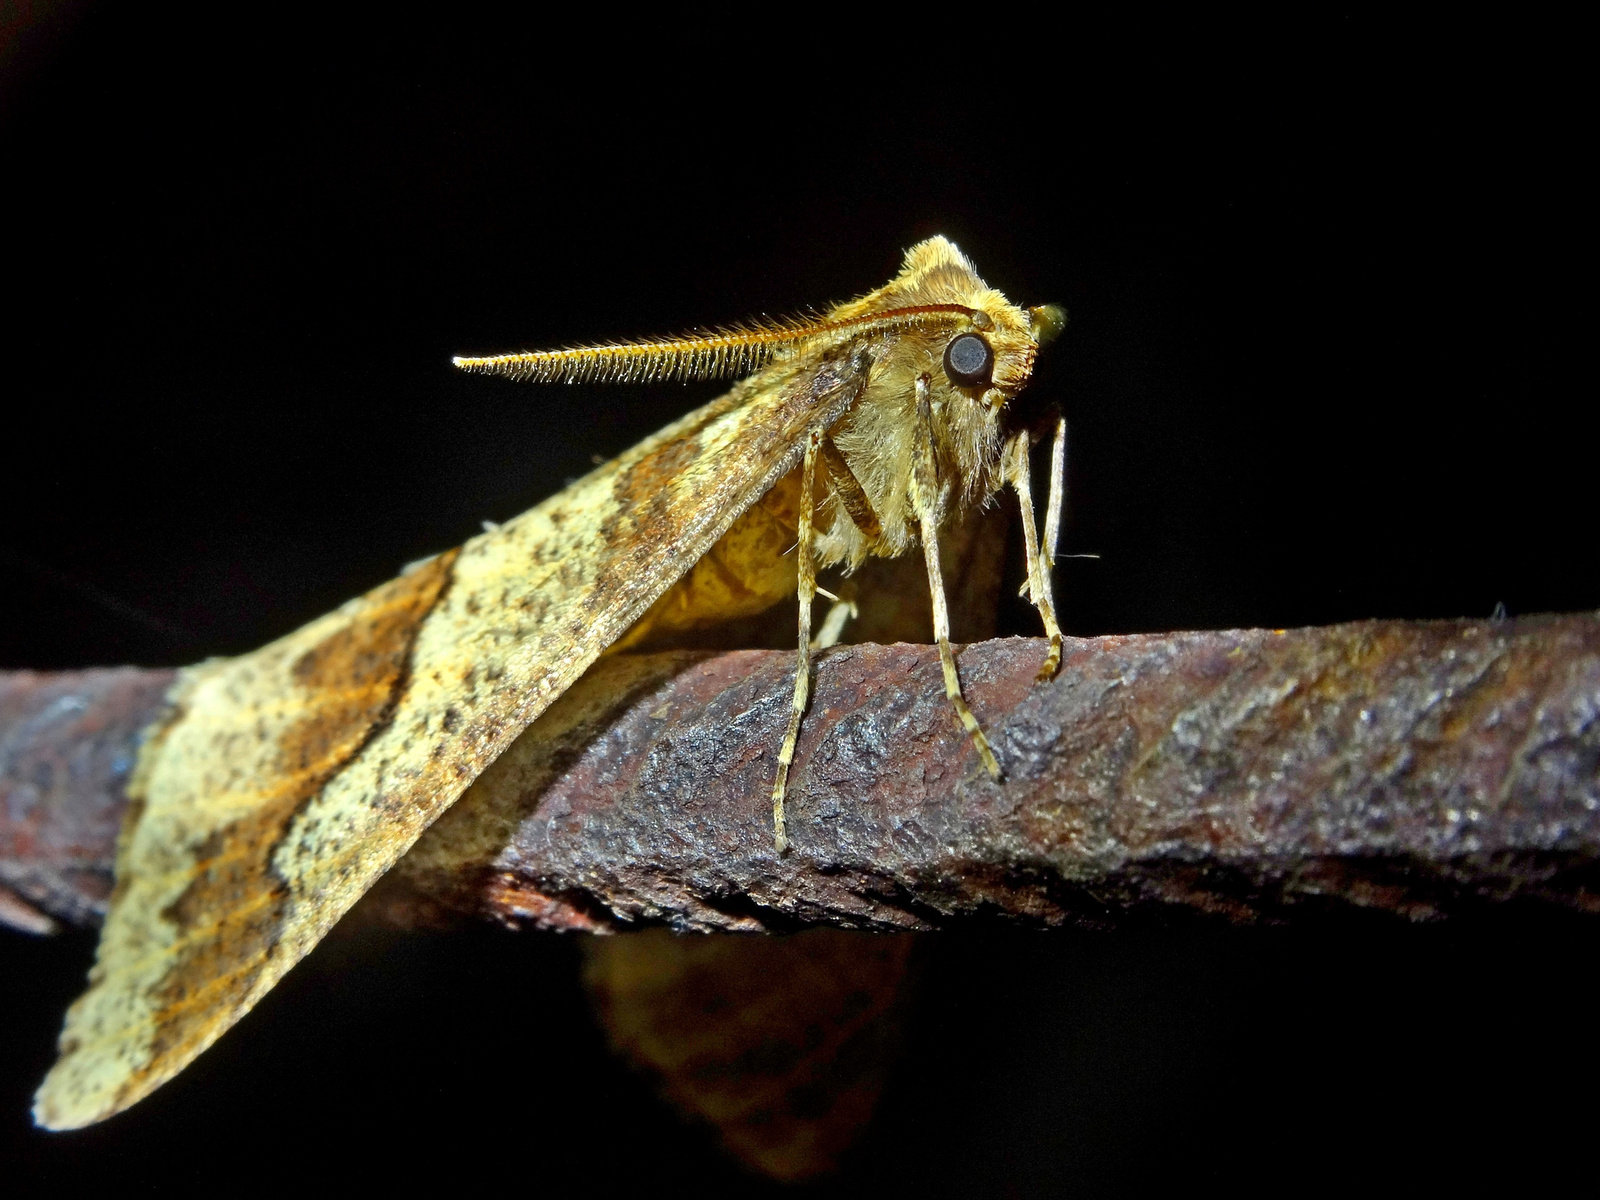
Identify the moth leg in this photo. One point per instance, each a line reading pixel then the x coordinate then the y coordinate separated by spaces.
pixel 852 496
pixel 844 611
pixel 925 499
pixel 802 673
pixel 1052 509
pixel 1038 587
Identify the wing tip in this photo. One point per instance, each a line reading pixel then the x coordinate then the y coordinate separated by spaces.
pixel 79 1092
pixel 56 1109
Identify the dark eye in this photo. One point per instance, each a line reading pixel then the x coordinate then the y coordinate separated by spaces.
pixel 968 360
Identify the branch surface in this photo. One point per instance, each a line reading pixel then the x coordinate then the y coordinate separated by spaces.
pixel 1418 767
pixel 68 740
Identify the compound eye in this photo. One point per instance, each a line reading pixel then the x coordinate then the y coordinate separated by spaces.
pixel 968 360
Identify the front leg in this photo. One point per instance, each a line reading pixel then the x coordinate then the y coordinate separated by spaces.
pixel 1038 585
pixel 925 500
pixel 1058 488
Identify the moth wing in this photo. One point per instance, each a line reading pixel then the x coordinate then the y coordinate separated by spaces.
pixel 286 781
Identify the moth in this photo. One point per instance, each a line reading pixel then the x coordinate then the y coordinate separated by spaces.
pixel 281 784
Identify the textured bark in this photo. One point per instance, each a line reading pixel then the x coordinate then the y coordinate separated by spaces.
pixel 1418 767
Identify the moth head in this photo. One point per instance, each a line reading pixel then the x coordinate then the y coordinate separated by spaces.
pixel 976 343
pixel 936 313
pixel 990 355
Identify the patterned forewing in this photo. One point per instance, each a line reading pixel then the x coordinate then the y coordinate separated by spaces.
pixel 286 781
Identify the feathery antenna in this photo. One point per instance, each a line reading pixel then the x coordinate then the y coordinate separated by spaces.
pixel 714 354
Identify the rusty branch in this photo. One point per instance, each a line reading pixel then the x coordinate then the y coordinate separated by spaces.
pixel 1420 768
pixel 67 743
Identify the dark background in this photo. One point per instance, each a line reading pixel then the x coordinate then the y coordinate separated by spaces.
pixel 1323 282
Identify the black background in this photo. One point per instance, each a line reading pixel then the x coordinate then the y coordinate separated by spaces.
pixel 1322 279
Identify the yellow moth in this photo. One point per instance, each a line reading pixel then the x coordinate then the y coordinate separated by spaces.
pixel 283 783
